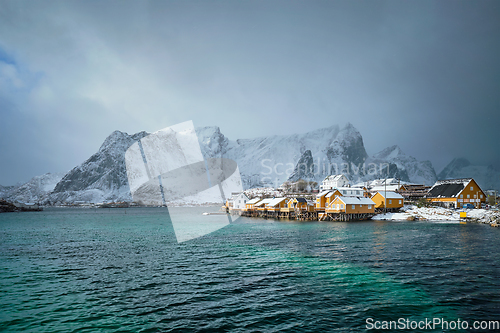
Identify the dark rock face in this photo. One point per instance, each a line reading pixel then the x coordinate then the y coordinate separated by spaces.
pixel 105 170
pixel 454 166
pixel 403 167
pixel 392 171
pixel 304 168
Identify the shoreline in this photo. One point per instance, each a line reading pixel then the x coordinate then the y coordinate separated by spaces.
pixel 414 213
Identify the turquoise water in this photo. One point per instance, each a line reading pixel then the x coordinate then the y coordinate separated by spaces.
pixel 121 270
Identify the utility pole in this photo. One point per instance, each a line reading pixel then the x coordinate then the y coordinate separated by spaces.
pixel 385 191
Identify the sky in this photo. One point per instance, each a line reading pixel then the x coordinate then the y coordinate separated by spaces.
pixel 424 75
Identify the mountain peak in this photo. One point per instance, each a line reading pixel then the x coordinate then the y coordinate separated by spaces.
pixel 453 167
pixel 348 126
pixel 114 137
pixel 389 153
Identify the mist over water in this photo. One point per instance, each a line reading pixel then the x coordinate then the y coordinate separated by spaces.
pixel 90 270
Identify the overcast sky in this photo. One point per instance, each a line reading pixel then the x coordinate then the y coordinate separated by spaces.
pixel 421 74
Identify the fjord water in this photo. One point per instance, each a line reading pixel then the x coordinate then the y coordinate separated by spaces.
pixel 87 270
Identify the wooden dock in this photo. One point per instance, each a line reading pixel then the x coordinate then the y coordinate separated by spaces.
pixel 305 215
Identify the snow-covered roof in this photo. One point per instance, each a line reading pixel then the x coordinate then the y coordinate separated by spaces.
pixel 449 188
pixel 334 177
pixel 275 202
pixel 389 195
pixel 253 201
pixel 331 193
pixel 356 201
pixel 320 194
pixel 349 188
pixel 463 181
pixel 263 202
pixel 388 181
pixel 384 188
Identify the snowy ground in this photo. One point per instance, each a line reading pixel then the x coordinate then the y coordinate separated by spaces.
pixel 263 192
pixel 410 212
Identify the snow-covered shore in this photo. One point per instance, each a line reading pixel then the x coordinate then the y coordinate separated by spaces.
pixel 411 212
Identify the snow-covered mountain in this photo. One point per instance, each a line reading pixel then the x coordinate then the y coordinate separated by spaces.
pixel 404 167
pixel 103 177
pixel 269 161
pixel 37 189
pixel 488 177
pixel 264 161
pixel 5 190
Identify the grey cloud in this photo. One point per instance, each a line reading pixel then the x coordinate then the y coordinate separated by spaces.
pixel 415 74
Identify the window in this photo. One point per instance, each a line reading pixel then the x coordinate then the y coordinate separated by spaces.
pixel 481 196
pixel 400 202
pixel 461 195
pixel 338 206
pixel 475 196
pixel 353 206
pixel 239 201
pixel 468 196
pixel 342 206
pixel 369 206
pixel 390 202
pixel 472 188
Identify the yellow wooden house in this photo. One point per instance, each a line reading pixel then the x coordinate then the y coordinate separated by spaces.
pixel 329 197
pixel 262 205
pixel 351 205
pixel 276 204
pixel 321 200
pixel 388 199
pixel 250 204
pixel 297 203
pixel 456 193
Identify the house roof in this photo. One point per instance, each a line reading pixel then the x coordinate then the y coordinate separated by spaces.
pixel 349 188
pixel 389 195
pixel 275 202
pixel 263 202
pixel 253 201
pixel 356 201
pixel 235 195
pixel 334 177
pixel 388 188
pixel 301 199
pixel 449 188
pixel 320 194
pixel 331 193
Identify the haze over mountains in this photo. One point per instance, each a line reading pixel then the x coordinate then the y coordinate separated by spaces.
pixel 265 161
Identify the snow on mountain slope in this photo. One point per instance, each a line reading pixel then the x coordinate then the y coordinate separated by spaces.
pixel 264 161
pixel 269 161
pixel 404 167
pixel 5 190
pixel 487 177
pixel 103 177
pixel 35 190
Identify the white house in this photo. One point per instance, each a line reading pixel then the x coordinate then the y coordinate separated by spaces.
pixel 334 181
pixel 239 200
pixel 351 191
